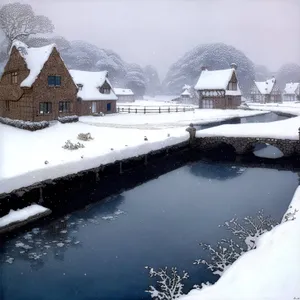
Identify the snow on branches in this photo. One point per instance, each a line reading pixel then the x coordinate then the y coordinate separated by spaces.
pixel 169 285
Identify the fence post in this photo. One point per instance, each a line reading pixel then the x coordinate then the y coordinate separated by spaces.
pixel 144 109
pixel 129 110
pixel 176 108
pixel 168 109
pixel 118 109
pixel 136 110
pixel 159 109
pixel 183 109
pixel 122 108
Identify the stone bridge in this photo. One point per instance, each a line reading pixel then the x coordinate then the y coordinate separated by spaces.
pixel 244 145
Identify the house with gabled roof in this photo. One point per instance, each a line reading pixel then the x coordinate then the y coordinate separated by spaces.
pixel 265 91
pixel 37 86
pixel 291 92
pixel 95 93
pixel 124 95
pixel 219 89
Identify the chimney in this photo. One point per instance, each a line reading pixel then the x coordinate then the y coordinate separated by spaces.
pixel 234 66
pixel 203 68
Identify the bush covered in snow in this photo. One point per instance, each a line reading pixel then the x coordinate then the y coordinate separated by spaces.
pixel 68 119
pixel 100 114
pixel 32 126
pixel 84 137
pixel 72 146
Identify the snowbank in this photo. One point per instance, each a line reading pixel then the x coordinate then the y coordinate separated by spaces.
pixel 30 157
pixel 270 272
pixel 285 129
pixel 168 120
pixel 285 107
pixel 22 215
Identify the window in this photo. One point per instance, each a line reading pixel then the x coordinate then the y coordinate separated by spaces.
pixel 7 105
pixel 232 86
pixel 104 90
pixel 45 108
pixel 64 106
pixel 54 80
pixel 207 104
pixel 14 77
pixel 108 106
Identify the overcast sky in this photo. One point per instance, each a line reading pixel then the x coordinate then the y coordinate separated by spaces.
pixel 158 32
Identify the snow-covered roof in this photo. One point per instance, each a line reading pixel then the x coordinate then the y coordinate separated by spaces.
pixel 186 93
pixel 123 92
pixel 291 88
pixel 186 87
pixel 91 82
pixel 265 87
pixel 35 59
pixel 214 80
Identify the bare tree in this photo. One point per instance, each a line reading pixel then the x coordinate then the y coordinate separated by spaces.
pixel 18 21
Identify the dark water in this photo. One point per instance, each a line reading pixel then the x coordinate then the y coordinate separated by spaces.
pixel 270 117
pixel 101 252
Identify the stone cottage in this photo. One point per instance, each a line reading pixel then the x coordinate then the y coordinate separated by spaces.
pixel 265 91
pixel 95 93
pixel 36 86
pixel 218 89
pixel 124 95
pixel 291 92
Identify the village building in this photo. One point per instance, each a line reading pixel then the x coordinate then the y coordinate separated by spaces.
pixel 188 96
pixel 124 95
pixel 95 93
pixel 219 89
pixel 265 91
pixel 37 86
pixel 291 92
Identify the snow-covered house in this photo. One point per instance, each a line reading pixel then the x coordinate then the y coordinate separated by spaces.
pixel 124 95
pixel 265 91
pixel 188 96
pixel 291 92
pixel 219 89
pixel 95 93
pixel 37 86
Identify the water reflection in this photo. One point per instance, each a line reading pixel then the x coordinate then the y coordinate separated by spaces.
pixel 216 171
pixel 56 238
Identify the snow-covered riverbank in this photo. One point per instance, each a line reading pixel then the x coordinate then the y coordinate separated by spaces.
pixel 269 272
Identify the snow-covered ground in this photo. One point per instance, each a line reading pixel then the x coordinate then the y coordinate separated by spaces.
pixel 29 157
pixel 269 272
pixel 168 120
pixel 22 214
pixel 152 103
pixel 285 107
pixel 285 129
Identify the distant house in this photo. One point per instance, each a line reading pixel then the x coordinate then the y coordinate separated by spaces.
pixel 95 93
pixel 291 92
pixel 124 95
pixel 265 91
pixel 188 96
pixel 218 89
pixel 36 86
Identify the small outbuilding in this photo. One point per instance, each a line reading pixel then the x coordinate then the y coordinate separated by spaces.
pixel 124 95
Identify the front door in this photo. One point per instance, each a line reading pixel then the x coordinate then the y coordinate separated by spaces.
pixel 94 107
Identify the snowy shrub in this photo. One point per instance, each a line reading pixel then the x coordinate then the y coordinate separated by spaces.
pixel 221 257
pixel 72 146
pixel 100 114
pixel 84 137
pixel 169 284
pixel 228 251
pixel 32 126
pixel 291 216
pixel 68 119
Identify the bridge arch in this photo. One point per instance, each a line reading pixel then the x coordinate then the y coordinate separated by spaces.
pixel 259 145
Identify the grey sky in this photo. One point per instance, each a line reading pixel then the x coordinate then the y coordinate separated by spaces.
pixel 158 32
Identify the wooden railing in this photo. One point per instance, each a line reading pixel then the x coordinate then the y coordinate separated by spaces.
pixel 147 110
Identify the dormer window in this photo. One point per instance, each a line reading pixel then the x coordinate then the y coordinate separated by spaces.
pixel 104 90
pixel 232 86
pixel 14 77
pixel 79 86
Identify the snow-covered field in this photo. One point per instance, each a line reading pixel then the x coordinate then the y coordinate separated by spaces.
pixel 24 153
pixel 269 272
pixel 168 120
pixel 285 129
pixel 285 107
pixel 151 103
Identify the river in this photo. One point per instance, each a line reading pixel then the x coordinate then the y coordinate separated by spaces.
pixel 100 253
